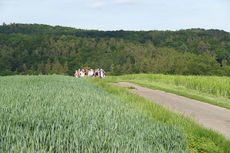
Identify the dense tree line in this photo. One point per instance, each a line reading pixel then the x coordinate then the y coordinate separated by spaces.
pixel 43 49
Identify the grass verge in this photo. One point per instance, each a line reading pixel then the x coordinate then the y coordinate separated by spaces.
pixel 199 139
pixel 145 80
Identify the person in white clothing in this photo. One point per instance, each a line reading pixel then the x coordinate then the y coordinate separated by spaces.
pixel 82 73
pixel 101 73
pixel 90 73
pixel 76 74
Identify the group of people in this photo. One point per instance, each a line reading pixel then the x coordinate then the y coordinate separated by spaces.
pixel 100 73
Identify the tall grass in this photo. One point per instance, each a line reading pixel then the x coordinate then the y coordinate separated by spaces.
pixel 64 114
pixel 199 139
pixel 211 89
pixel 215 85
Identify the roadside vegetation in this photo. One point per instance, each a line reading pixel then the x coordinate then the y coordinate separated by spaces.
pixel 199 139
pixel 211 89
pixel 65 114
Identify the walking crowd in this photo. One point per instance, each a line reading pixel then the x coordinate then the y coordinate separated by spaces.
pixel 100 73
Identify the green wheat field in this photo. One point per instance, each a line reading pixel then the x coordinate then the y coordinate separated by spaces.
pixel 63 114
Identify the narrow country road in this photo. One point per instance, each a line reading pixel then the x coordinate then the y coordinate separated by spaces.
pixel 210 116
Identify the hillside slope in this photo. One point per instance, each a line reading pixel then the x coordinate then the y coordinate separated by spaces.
pixel 44 49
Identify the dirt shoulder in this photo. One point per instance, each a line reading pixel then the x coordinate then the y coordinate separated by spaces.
pixel 210 116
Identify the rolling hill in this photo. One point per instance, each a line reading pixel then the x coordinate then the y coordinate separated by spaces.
pixel 44 49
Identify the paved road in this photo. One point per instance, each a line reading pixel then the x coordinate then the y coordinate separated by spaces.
pixel 210 116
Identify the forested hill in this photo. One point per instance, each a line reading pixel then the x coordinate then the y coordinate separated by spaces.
pixel 44 49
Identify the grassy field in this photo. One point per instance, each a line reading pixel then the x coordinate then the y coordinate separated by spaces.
pixel 210 89
pixel 198 139
pixel 65 114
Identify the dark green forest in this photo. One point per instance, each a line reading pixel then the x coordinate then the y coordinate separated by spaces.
pixel 44 49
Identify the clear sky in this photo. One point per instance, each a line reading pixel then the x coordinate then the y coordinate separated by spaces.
pixel 120 14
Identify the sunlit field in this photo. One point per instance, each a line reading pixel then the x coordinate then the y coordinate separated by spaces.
pixel 65 114
pixel 199 139
pixel 211 89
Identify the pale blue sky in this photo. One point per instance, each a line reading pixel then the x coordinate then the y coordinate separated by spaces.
pixel 120 14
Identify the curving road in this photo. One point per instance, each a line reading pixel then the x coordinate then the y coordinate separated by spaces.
pixel 210 116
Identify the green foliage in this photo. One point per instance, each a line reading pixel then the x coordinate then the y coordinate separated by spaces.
pixel 65 114
pixel 131 87
pixel 194 51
